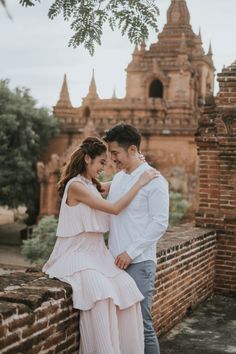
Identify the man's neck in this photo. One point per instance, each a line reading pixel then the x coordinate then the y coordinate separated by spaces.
pixel 135 164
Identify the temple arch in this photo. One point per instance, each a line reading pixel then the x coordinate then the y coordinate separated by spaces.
pixel 86 112
pixel 156 89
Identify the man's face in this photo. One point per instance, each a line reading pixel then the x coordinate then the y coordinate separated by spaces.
pixel 119 155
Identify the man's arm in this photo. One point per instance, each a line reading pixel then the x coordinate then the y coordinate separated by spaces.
pixel 158 208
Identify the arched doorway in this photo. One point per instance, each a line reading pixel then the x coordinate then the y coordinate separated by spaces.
pixel 86 112
pixel 156 89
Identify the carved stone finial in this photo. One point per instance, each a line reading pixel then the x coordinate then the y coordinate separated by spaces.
pixel 178 13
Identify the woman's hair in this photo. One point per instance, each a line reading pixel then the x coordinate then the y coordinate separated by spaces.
pixel 90 146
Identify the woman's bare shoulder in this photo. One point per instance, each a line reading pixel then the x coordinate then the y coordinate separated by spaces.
pixel 77 186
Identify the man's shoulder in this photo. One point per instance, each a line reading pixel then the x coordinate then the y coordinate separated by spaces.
pixel 157 183
pixel 117 177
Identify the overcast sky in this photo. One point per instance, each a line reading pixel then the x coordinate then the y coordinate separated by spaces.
pixel 34 51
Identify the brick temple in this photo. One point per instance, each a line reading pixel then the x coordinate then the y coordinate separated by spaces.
pixel 166 87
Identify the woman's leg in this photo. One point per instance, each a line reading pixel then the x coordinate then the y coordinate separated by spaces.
pixel 131 331
pixel 99 329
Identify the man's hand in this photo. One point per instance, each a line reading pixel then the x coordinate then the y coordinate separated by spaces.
pixel 123 260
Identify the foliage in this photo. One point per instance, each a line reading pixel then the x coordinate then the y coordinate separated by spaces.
pixel 178 207
pixel 105 178
pixel 88 18
pixel 24 133
pixel 38 247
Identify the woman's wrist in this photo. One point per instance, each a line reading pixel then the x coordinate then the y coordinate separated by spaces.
pixel 140 184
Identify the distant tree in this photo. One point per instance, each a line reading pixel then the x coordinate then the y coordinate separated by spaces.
pixel 24 133
pixel 38 247
pixel 178 208
pixel 88 17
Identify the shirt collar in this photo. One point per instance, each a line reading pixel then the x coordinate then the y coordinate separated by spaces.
pixel 137 170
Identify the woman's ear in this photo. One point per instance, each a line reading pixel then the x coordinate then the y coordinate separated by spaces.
pixel 87 159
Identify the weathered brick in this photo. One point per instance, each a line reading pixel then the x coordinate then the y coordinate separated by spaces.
pixel 20 347
pixel 59 348
pixel 34 329
pixel 74 349
pixel 63 314
pixel 10 339
pixel 45 312
pixel 21 322
pixel 65 324
pixel 3 331
pixel 53 340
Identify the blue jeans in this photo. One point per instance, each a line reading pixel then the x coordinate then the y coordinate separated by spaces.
pixel 144 275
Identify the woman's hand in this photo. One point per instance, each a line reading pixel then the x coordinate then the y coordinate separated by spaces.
pixel 148 175
pixel 105 188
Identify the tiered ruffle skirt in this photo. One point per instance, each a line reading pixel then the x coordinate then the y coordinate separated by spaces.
pixel 86 264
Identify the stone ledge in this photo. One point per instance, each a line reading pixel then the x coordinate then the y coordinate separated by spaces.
pixel 30 289
pixel 180 236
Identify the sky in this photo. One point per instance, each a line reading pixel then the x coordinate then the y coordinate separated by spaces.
pixel 34 50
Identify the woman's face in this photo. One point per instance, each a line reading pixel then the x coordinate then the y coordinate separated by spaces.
pixel 95 166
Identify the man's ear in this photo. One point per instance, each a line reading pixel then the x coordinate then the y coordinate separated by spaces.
pixel 133 149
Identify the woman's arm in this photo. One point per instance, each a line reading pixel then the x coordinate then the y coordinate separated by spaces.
pixel 79 193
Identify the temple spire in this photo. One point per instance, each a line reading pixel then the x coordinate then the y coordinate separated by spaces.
pixel 114 93
pixel 64 99
pixel 200 33
pixel 178 13
pixel 210 53
pixel 92 88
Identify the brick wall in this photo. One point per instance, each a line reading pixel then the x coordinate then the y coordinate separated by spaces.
pixel 36 314
pixel 185 274
pixel 216 141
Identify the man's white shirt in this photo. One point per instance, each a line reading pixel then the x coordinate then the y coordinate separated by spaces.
pixel 138 227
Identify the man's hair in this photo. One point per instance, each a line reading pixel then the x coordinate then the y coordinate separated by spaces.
pixel 124 134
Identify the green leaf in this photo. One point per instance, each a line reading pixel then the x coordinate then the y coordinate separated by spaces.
pixel 88 17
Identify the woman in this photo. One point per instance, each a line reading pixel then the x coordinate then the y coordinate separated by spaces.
pixel 107 296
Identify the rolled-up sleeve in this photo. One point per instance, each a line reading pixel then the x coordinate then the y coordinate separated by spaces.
pixel 158 209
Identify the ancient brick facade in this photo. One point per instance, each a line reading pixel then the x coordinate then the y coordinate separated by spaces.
pixel 216 141
pixel 165 89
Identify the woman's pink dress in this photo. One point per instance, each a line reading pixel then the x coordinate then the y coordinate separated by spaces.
pixel 109 300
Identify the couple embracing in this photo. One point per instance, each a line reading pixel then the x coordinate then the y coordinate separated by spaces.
pixel 112 287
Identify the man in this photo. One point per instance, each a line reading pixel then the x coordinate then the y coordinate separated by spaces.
pixel 135 231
